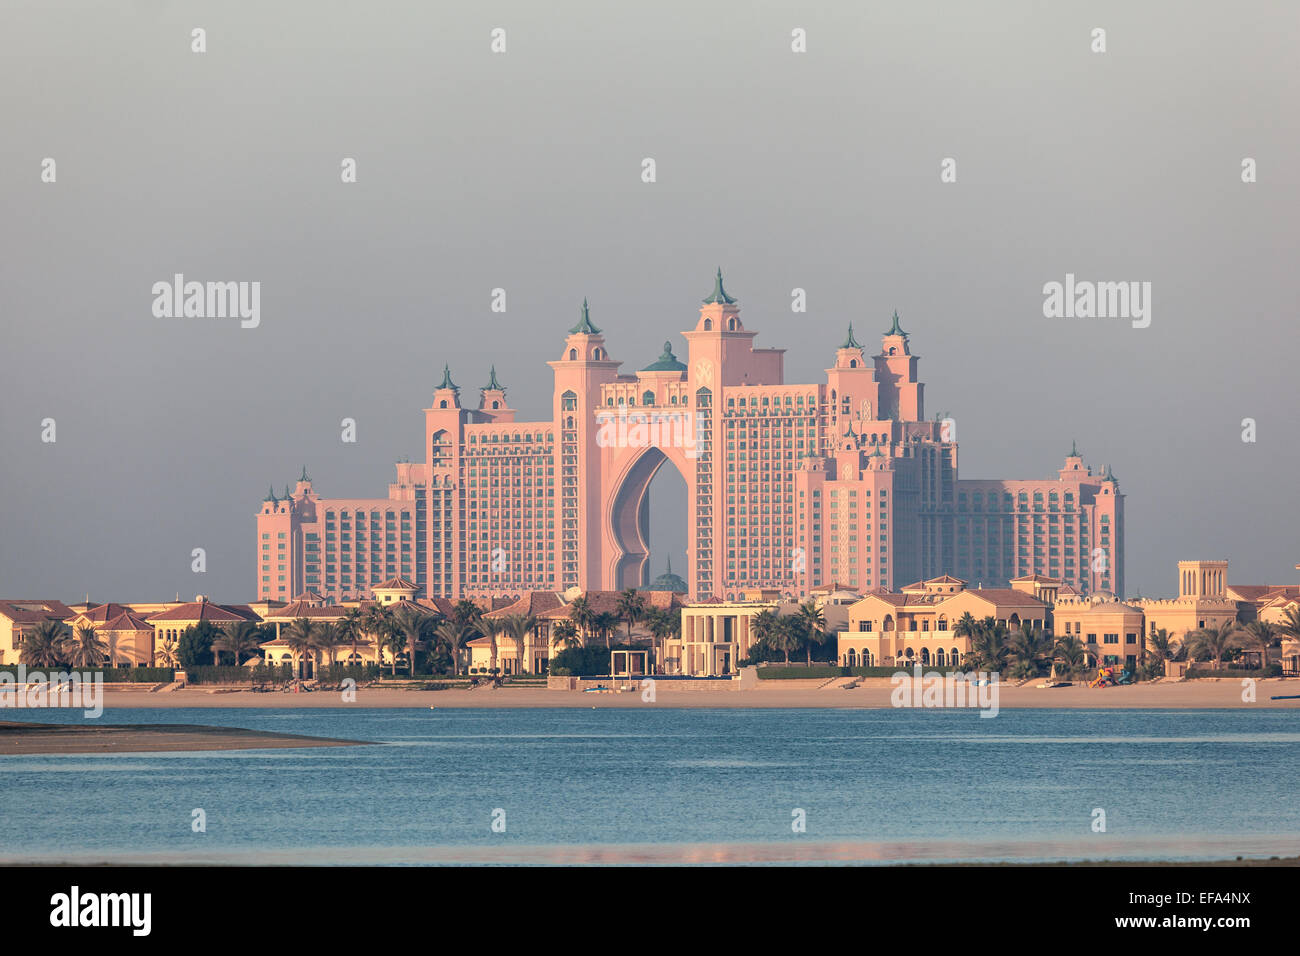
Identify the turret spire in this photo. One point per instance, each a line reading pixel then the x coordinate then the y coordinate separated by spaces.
pixel 719 293
pixel 1074 448
pixel 584 325
pixel 446 378
pixel 493 384
pixel 304 474
pixel 850 342
pixel 896 329
pixel 270 495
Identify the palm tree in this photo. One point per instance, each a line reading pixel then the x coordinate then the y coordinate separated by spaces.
pixel 1069 654
pixel 395 641
pixel 762 626
pixel 377 621
pixel 327 641
pixel 966 625
pixel 416 626
pixel 1289 625
pixel 350 629
pixel 1214 642
pixel 1026 647
pixel 989 647
pixel 565 634
pixel 604 624
pixel 238 638
pixel 300 638
pixel 452 633
pixel 166 652
pixel 812 627
pixel 785 635
pixel 44 645
pixel 84 648
pixel 1160 646
pixel 583 615
pixel 631 608
pixel 490 628
pixel 518 627
pixel 1260 634
pixel 663 625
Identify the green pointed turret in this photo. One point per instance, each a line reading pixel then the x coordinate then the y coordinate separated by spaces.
pixel 493 385
pixel 303 476
pixel 1110 475
pixel 851 342
pixel 287 493
pixel 1074 448
pixel 446 379
pixel 270 495
pixel 719 293
pixel 896 329
pixel 584 325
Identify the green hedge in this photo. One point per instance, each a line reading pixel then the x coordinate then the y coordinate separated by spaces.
pixel 1273 670
pixel 826 672
pixel 225 674
pixel 112 675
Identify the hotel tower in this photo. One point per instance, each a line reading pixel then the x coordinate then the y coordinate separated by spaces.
pixel 789 486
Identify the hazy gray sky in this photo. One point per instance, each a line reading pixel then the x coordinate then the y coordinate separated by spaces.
pixel 522 170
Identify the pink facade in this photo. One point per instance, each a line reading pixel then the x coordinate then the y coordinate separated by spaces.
pixel 790 486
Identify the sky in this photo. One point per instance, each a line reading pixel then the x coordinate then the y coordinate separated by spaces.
pixel 522 170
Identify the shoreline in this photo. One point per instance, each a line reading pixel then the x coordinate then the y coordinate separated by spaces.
pixel 1222 851
pixel 19 738
pixel 1211 693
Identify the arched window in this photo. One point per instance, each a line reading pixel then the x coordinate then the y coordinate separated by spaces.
pixel 731 324
pixel 648 398
pixel 573 355
pixel 443 403
pixel 597 354
pixel 708 325
pixel 892 350
pixel 853 363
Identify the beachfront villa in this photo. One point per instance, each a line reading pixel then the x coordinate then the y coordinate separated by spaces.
pixel 918 625
pixel 790 485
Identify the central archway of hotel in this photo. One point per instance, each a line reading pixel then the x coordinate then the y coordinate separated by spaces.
pixel 647 544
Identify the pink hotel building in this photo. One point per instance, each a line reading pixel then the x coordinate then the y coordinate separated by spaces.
pixel 789 486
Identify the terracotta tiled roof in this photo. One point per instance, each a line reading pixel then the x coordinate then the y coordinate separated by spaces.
pixel 35 611
pixel 1007 596
pixel 105 612
pixel 244 611
pixel 945 579
pixel 534 603
pixel 291 612
pixel 1253 592
pixel 1037 578
pixel 127 621
pixel 396 584
pixel 198 611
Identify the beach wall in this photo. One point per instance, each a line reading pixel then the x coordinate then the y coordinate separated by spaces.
pixel 661 683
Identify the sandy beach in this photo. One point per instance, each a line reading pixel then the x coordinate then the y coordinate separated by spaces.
pixel 874 693
pixel 26 739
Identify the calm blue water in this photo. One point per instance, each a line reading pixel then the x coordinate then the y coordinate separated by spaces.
pixel 919 784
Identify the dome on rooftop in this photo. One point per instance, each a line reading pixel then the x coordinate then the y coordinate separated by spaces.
pixel 668 582
pixel 666 362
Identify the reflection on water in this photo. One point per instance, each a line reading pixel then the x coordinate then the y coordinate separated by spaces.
pixel 673 786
